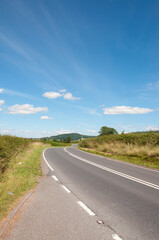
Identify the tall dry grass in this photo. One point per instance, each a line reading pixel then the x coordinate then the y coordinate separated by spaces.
pixel 142 147
pixel 126 149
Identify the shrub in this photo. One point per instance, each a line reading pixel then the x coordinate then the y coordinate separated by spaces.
pixel 9 148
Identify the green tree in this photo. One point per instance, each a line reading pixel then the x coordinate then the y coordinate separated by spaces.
pixel 68 140
pixel 107 131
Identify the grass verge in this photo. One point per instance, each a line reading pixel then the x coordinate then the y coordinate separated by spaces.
pixel 137 148
pixel 134 160
pixel 20 177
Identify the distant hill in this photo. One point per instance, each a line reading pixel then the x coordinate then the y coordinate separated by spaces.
pixel 73 136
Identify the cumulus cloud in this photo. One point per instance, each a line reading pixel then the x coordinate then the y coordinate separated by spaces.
pixel 1 90
pixel 126 110
pixel 1 102
pixel 26 109
pixel 52 94
pixel 61 93
pixel 45 117
pixel 69 96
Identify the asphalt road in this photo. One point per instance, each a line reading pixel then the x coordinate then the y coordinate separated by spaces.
pixel 51 213
pixel 124 196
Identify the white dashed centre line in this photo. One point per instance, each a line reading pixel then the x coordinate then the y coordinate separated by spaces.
pixel 55 178
pixel 116 237
pixel 66 189
pixel 86 208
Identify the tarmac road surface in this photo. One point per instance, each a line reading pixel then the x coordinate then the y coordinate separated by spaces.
pixel 124 196
pixel 85 196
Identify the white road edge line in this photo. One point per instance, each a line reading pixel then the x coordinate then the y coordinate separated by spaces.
pixel 116 172
pixel 66 189
pixel 55 178
pixel 86 208
pixel 116 237
pixel 121 161
pixel 46 161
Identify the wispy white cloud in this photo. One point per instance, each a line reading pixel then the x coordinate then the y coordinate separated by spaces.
pixel 153 86
pixel 63 90
pixel 152 128
pixel 127 128
pixel 149 91
pixel 60 48
pixel 1 90
pixel 19 94
pixel 69 96
pixel 91 131
pixel 93 111
pixel 67 51
pixel 101 106
pixel 15 47
pixel 52 95
pixel 45 117
pixel 26 133
pixel 25 109
pixel 1 102
pixel 5 132
pixel 126 110
pixel 63 131
pixel 27 57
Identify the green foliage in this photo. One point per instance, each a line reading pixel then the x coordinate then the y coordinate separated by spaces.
pixel 9 148
pixel 107 131
pixel 68 140
pixel 127 138
pixel 59 144
pixel 140 148
pixel 56 143
pixel 73 136
pixel 84 144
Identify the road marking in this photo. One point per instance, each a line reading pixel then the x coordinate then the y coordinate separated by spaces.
pixel 116 237
pixel 66 189
pixel 116 172
pixel 55 178
pixel 121 161
pixel 86 208
pixel 46 161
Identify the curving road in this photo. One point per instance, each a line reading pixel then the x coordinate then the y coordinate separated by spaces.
pixel 124 196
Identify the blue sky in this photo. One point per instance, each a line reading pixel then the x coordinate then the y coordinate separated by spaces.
pixel 78 65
